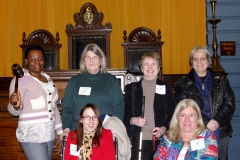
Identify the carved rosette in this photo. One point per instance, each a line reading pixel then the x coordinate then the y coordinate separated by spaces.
pixel 130 78
pixel 40 37
pixel 142 34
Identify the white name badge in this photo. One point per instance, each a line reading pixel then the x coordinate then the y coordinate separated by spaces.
pixel 84 91
pixel 197 144
pixel 160 89
pixel 73 150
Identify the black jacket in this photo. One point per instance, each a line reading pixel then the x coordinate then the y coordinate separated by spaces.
pixel 222 99
pixel 164 106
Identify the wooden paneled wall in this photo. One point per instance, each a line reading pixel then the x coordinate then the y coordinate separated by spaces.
pixel 182 23
pixel 228 30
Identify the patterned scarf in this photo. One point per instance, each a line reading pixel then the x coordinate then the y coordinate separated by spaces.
pixel 86 149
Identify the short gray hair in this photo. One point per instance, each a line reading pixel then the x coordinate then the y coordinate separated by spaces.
pixel 204 50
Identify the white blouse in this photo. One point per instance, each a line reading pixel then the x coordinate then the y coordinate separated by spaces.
pixel 182 153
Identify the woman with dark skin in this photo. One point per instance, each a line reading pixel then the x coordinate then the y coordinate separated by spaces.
pixel 35 104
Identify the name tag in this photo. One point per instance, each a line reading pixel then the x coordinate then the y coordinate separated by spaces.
pixel 160 89
pixel 73 150
pixel 84 91
pixel 197 144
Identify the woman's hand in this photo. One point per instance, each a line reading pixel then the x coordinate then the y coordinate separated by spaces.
pixel 15 100
pixel 138 121
pixel 212 125
pixel 61 136
pixel 59 140
pixel 158 131
pixel 58 144
pixel 65 133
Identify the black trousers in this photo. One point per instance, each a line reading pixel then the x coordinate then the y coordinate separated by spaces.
pixel 147 150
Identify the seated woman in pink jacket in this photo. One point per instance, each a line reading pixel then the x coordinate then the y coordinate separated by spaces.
pixel 90 140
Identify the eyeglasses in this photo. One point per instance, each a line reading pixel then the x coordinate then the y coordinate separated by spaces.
pixel 148 65
pixel 88 118
pixel 95 58
pixel 202 59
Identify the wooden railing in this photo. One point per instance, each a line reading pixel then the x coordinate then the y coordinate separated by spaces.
pixel 9 146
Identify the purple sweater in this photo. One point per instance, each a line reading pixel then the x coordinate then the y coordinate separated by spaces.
pixel 38 101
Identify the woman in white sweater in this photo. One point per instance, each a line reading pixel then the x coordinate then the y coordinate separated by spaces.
pixel 35 104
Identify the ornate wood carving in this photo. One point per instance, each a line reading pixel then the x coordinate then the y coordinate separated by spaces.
pixel 142 35
pixel 45 39
pixel 88 22
pixel 130 78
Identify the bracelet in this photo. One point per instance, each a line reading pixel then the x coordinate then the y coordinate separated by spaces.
pixel 21 106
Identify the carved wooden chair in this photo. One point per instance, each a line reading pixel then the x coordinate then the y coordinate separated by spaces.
pixel 88 29
pixel 139 41
pixel 49 44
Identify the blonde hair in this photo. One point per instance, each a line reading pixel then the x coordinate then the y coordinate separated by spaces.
pixel 153 55
pixel 174 132
pixel 98 51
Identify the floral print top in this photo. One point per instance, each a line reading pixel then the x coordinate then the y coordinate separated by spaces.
pixel 168 150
